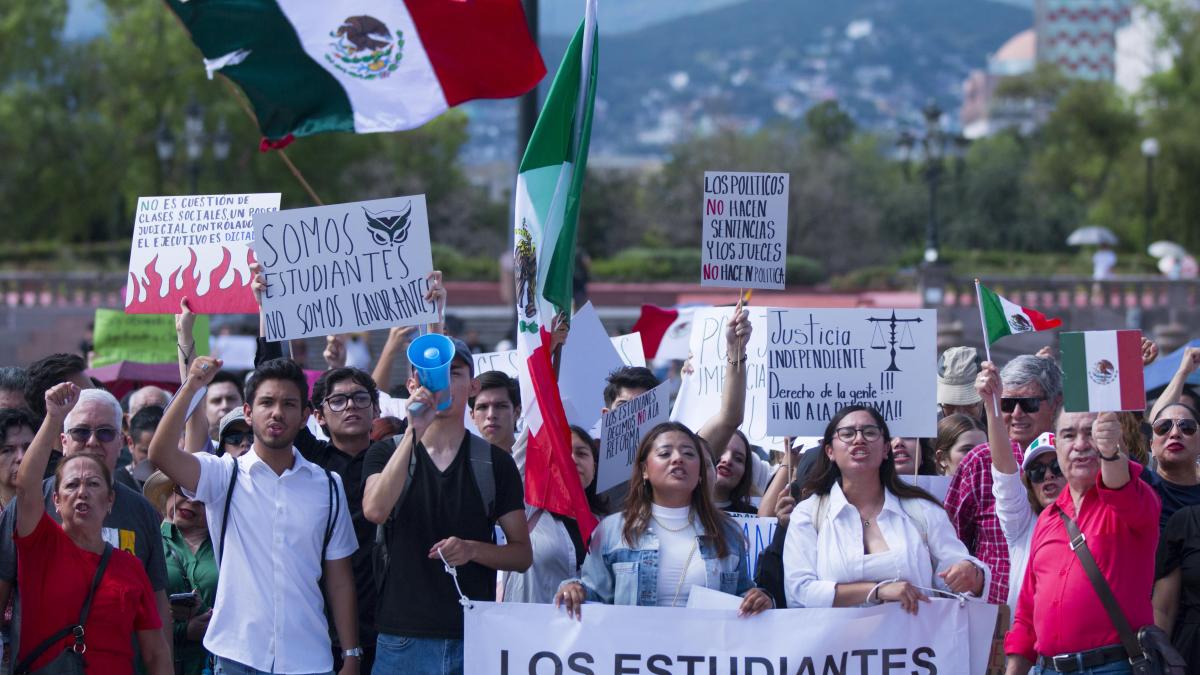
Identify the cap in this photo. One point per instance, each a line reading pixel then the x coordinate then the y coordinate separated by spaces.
pixel 462 351
pixel 957 368
pixel 235 415
pixel 157 489
pixel 1040 446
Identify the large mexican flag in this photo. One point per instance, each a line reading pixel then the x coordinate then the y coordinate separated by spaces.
pixel 549 185
pixel 361 65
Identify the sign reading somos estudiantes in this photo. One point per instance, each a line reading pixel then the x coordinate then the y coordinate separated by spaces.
pixel 745 230
pixel 820 360
pixel 345 267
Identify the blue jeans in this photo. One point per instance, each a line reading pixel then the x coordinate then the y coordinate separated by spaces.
pixel 1114 668
pixel 228 667
pixel 418 656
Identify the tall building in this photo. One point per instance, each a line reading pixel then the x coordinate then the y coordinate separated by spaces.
pixel 1079 36
pixel 982 114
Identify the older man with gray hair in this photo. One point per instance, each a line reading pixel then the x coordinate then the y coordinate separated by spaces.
pixel 148 396
pixel 1032 392
pixel 94 427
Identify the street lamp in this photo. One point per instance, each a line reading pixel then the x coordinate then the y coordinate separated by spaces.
pixel 195 138
pixel 932 148
pixel 1149 151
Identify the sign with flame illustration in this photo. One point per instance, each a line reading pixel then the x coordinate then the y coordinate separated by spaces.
pixel 345 268
pixel 196 247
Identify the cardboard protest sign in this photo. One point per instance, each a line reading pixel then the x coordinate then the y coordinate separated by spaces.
pixel 587 359
pixel 758 531
pixel 820 360
pixel 622 429
pixel 196 247
pixel 345 268
pixel 507 362
pixel 1102 371
pixel 142 338
pixel 629 348
pixel 745 230
pixel 699 397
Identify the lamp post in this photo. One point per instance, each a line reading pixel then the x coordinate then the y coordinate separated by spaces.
pixel 931 149
pixel 1149 151
pixel 195 140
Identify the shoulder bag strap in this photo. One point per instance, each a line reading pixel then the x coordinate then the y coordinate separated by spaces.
pixel 485 477
pixel 225 512
pixel 76 629
pixel 1079 546
pixel 335 505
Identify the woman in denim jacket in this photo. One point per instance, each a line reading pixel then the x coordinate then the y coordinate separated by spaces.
pixel 668 538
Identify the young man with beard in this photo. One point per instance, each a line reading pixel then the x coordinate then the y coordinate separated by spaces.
pixel 282 524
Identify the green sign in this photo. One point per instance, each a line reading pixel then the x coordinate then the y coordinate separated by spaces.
pixel 143 338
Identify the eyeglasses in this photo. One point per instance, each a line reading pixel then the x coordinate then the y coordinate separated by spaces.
pixel 238 437
pixel 1037 473
pixel 1029 404
pixel 338 402
pixel 1163 427
pixel 83 434
pixel 870 432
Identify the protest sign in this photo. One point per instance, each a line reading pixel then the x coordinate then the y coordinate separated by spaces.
pixel 623 428
pixel 345 268
pixel 142 338
pixel 699 398
pixel 1102 371
pixel 507 362
pixel 745 230
pixel 820 360
pixel 196 247
pixel 587 359
pixel 678 641
pixel 629 348
pixel 758 532
pixel 937 486
pixel 237 351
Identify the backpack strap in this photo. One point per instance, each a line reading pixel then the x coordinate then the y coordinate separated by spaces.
pixel 225 512
pixel 77 629
pixel 822 511
pixel 335 505
pixel 485 476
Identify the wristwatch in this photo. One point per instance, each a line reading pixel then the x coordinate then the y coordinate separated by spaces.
pixel 356 652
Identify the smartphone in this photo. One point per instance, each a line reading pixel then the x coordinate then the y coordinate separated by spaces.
pixel 184 599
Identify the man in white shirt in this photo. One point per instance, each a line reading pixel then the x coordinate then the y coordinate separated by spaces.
pixel 283 524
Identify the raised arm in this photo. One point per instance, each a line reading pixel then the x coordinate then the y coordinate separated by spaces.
pixel 1114 460
pixel 382 490
pixel 1187 365
pixel 181 467
pixel 196 434
pixel 719 429
pixel 60 399
pixel 987 383
pixel 397 340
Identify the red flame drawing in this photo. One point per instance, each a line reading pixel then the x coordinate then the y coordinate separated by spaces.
pixel 185 282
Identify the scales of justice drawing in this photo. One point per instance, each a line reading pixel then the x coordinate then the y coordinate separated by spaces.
pixel 904 341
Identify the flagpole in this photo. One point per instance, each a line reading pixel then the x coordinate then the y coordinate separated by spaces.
pixel 987 342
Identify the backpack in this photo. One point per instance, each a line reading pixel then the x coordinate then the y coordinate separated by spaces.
pixel 485 480
pixel 335 503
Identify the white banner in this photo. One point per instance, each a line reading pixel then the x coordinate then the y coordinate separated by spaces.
pixel 622 429
pixel 512 639
pixel 821 360
pixel 745 230
pixel 345 268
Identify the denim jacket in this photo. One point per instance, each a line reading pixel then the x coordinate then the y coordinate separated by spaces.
pixel 615 573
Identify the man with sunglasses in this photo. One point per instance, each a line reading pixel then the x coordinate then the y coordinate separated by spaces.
pixel 1031 389
pixel 94 427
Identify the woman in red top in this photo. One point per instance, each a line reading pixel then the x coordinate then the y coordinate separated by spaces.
pixel 56 564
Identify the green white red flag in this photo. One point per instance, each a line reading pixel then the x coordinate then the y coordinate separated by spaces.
pixel 1102 371
pixel 359 65
pixel 549 186
pixel 1002 317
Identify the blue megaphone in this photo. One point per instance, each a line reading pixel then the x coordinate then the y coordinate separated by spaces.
pixel 430 355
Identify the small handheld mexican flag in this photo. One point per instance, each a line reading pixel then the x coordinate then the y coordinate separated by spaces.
pixel 1102 371
pixel 1002 317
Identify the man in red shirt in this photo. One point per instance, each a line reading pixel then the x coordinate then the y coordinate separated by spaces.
pixel 1060 623
pixel 1032 388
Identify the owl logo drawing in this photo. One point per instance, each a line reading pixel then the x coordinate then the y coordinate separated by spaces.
pixel 389 227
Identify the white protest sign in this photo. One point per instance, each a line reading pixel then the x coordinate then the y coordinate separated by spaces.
pixel 745 230
pixel 196 247
pixel 758 532
pixel 937 486
pixel 237 351
pixel 821 360
pixel 683 641
pixel 629 348
pixel 699 398
pixel 622 429
pixel 507 362
pixel 345 268
pixel 587 359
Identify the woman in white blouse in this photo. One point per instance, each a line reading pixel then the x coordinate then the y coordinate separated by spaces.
pixel 862 536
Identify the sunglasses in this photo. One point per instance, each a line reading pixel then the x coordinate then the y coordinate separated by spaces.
pixel 1028 403
pixel 1037 473
pixel 869 432
pixel 83 434
pixel 338 402
pixel 1163 427
pixel 238 437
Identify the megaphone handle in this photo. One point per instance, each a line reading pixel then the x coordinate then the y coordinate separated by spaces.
pixel 416 406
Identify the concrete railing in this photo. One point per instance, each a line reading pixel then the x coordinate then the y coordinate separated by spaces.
pixel 1051 293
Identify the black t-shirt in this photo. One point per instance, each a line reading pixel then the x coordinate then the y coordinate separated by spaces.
pixel 1173 496
pixel 418 598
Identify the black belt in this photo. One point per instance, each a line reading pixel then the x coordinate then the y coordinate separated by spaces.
pixel 1069 663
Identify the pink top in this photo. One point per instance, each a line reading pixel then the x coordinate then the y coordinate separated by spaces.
pixel 1058 611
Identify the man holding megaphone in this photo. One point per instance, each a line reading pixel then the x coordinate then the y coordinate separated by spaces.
pixel 438 492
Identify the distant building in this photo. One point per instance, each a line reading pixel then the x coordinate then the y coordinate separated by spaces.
pixel 982 114
pixel 1079 36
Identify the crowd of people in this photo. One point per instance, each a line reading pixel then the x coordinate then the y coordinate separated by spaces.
pixel 288 529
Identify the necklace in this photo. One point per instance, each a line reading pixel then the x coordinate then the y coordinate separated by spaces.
pixel 683 574
pixel 670 529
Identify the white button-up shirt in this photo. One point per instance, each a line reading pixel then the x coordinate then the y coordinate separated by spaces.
pixel 815 563
pixel 269 611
